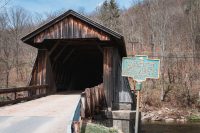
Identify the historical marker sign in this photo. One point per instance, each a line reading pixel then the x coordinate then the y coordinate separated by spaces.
pixel 140 68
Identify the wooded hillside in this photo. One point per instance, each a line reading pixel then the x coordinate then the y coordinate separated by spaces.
pixel 164 29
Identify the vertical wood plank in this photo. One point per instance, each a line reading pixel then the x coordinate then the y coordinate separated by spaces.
pixel 50 80
pixel 107 76
pixel 61 29
pixel 38 68
pixel 45 67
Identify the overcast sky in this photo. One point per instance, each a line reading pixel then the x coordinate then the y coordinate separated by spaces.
pixel 42 6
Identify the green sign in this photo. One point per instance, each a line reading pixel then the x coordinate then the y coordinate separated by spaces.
pixel 138 86
pixel 140 68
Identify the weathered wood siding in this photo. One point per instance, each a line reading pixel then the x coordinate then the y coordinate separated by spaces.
pixel 50 80
pixel 68 28
pixel 92 101
pixel 42 71
pixel 108 81
pixel 116 87
pixel 39 69
pixel 122 91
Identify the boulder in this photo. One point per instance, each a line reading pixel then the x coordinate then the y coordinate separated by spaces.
pixel 169 120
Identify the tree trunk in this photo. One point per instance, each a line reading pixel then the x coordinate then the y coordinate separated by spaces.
pixel 17 59
pixel 7 78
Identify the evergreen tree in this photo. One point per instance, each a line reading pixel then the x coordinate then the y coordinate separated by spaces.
pixel 109 14
pixel 114 9
pixel 115 14
pixel 104 13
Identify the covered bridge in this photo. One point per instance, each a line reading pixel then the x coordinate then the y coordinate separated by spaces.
pixel 75 53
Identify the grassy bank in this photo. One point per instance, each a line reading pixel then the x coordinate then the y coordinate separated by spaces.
pixel 96 128
pixel 194 118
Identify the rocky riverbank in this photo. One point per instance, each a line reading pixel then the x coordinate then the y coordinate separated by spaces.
pixel 169 115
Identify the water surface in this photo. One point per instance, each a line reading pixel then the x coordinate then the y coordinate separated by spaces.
pixel 160 127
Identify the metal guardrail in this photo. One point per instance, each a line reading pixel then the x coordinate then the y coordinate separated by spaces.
pixel 16 95
pixel 74 124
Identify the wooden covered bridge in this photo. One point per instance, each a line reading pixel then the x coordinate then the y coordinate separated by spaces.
pixel 75 53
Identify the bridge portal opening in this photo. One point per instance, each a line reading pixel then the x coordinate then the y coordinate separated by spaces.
pixel 77 66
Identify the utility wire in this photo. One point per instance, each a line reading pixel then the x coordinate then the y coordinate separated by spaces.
pixel 171 56
pixel 176 56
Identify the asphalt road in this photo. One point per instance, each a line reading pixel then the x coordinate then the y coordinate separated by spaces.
pixel 51 114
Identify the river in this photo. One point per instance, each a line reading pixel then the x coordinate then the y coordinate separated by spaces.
pixel 159 127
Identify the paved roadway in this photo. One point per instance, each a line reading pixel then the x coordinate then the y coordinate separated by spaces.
pixel 51 114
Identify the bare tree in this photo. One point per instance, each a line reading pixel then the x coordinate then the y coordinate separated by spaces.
pixel 6 49
pixel 17 22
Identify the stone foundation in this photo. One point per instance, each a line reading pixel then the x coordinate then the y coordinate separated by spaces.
pixel 123 120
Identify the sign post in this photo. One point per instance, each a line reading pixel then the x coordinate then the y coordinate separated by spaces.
pixel 140 68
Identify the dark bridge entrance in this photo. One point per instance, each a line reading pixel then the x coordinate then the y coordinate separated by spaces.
pixel 76 66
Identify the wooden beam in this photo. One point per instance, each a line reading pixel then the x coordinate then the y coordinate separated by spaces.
pixel 100 49
pixel 45 67
pixel 39 67
pixel 68 56
pixel 54 47
pixel 108 75
pixel 61 51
